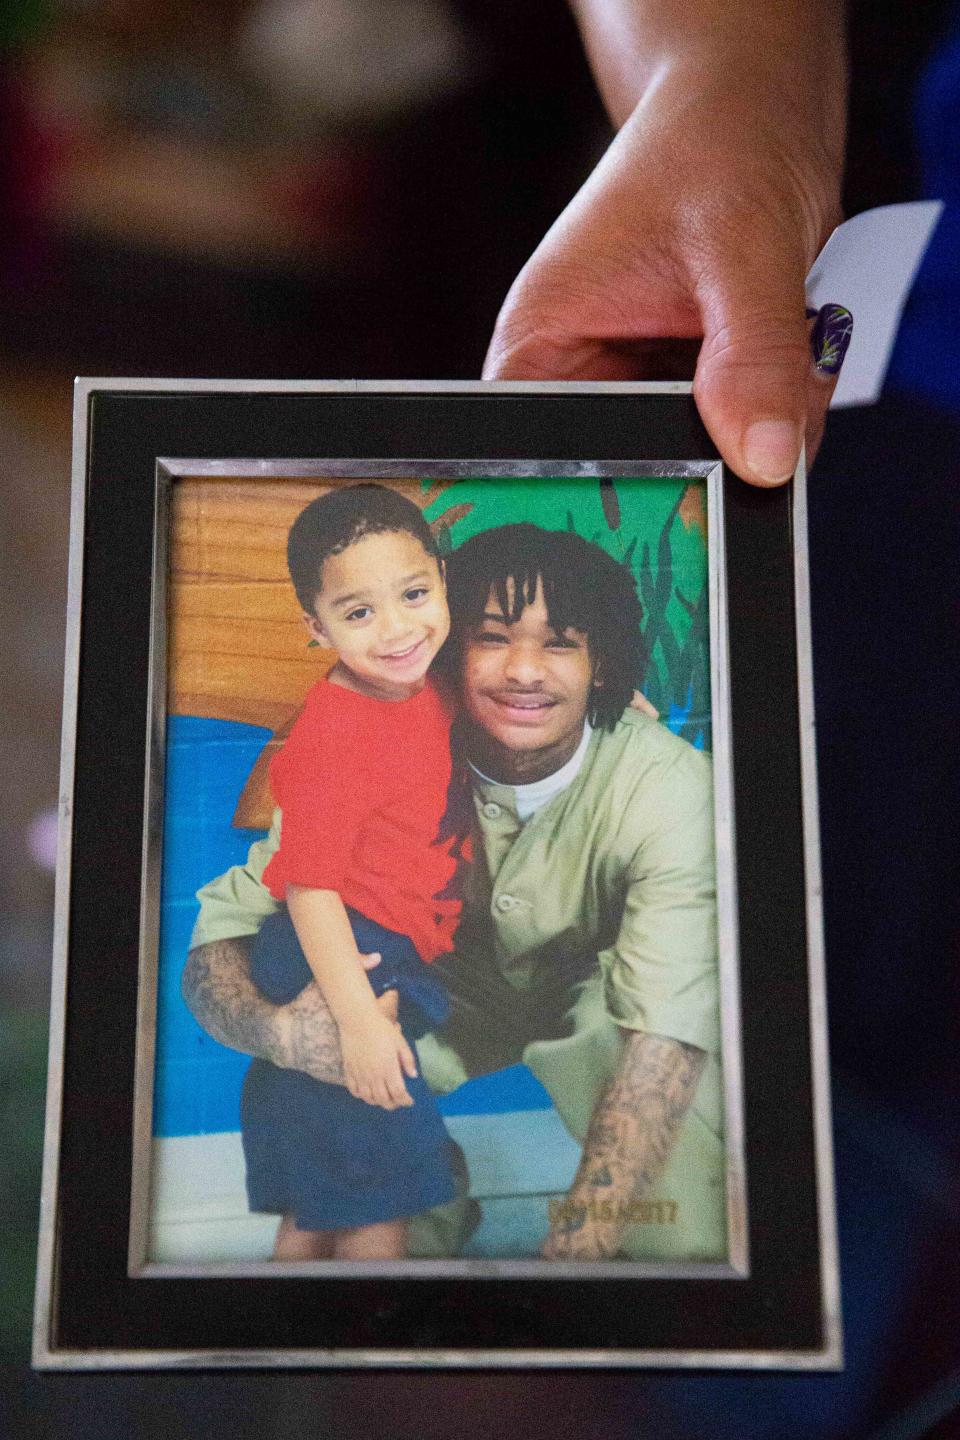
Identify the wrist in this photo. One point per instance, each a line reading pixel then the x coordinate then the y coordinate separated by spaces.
pixel 778 89
pixel 764 52
pixel 361 1019
pixel 763 149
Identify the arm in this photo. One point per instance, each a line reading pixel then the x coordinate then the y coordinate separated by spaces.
pixel 216 983
pixel 632 1132
pixel 222 998
pixel 703 218
pixel 220 995
pixel 661 988
pixel 375 1054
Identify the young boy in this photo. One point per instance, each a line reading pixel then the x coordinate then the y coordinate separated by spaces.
pixel 367 864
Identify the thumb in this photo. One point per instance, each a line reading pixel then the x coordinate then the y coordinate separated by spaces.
pixel 751 379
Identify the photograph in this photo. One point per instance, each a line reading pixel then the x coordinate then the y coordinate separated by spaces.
pixel 459 730
pixel 464 723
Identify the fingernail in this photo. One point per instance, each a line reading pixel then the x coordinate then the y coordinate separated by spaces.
pixel 830 339
pixel 772 449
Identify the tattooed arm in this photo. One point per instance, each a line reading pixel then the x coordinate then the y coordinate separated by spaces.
pixel 632 1132
pixel 223 999
pixel 301 1035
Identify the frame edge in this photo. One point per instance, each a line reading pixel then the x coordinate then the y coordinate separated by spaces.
pixel 816 958
pixel 45 1289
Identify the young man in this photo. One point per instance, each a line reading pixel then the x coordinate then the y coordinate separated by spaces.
pixel 587 947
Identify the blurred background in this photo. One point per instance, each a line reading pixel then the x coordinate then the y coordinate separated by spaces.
pixel 328 188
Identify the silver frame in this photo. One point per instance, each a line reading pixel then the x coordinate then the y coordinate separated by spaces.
pixel 831 1355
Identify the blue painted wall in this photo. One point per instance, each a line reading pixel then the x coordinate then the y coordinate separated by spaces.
pixel 197 1085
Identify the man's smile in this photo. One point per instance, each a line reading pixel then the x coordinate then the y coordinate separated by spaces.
pixel 525 702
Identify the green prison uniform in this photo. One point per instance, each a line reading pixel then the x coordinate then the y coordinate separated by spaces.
pixel 595 916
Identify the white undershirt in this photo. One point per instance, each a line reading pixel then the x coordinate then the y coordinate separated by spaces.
pixel 527 799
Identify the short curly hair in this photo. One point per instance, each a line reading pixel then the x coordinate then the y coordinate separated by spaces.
pixel 584 589
pixel 340 518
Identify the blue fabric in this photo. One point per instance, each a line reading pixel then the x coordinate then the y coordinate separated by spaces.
pixel 315 1151
pixel 926 356
pixel 279 969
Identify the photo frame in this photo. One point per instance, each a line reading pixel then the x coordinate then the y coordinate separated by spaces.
pixel 182 670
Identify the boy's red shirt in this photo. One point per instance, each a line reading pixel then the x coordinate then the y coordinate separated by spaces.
pixel 364 787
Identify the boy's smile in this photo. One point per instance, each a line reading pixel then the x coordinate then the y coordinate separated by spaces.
pixel 383 608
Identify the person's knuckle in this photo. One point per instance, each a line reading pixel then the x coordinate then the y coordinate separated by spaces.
pixel 756 338
pixel 537 321
pixel 521 350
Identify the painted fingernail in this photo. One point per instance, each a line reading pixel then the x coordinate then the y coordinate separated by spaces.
pixel 830 339
pixel 772 449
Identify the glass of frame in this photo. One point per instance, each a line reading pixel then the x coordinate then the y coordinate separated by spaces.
pixel 618 1151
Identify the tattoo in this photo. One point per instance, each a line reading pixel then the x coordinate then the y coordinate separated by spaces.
pixel 315 1039
pixel 571 1223
pixel 223 999
pixel 218 991
pixel 634 1128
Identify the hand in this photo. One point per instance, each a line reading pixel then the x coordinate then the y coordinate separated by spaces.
pixel 389 1004
pixel 703 217
pixel 375 1059
pixel 641 703
pixel 303 1034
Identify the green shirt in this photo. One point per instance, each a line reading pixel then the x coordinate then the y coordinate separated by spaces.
pixel 619 864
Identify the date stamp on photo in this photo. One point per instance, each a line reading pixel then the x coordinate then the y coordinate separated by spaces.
pixel 572 1215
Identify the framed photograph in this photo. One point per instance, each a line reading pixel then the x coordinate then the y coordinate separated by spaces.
pixel 438 974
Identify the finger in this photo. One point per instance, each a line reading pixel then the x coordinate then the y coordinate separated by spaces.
pixel 831 331
pixel 525 353
pixel 389 1003
pixel 407 1060
pixel 751 379
pixel 360 1087
pixel 395 1085
pixel 396 1090
pixel 641 703
pixel 396 1093
pixel 369 961
pixel 370 1093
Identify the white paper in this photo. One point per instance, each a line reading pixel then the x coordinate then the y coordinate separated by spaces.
pixel 868 265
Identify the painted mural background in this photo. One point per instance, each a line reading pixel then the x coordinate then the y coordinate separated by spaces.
pixel 656 527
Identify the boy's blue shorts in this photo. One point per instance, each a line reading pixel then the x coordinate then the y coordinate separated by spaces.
pixel 315 1151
